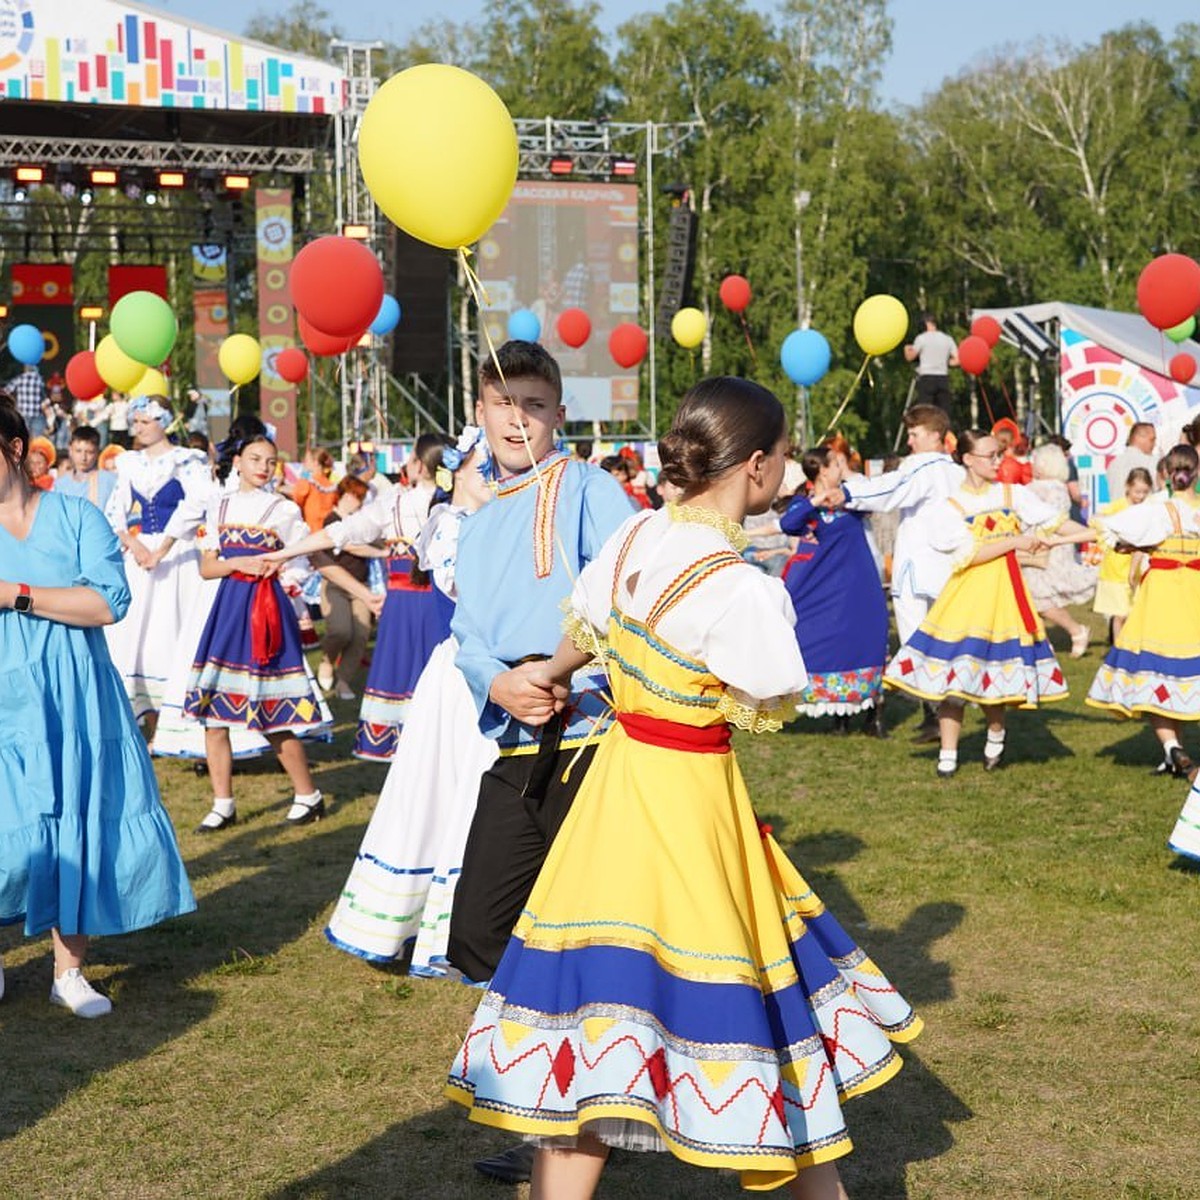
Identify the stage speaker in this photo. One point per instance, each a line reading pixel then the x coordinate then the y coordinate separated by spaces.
pixel 681 259
pixel 422 286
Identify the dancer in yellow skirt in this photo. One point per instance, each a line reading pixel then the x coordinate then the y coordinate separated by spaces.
pixel 982 640
pixel 673 983
pixel 1153 668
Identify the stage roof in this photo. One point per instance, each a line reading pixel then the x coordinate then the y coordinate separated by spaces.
pixel 126 55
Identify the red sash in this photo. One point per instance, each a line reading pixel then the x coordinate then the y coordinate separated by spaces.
pixel 266 621
pixel 1019 593
pixel 674 735
pixel 1173 564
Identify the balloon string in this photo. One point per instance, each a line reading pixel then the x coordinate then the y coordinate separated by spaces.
pixel 986 404
pixel 480 296
pixel 837 416
pixel 1008 398
pixel 746 331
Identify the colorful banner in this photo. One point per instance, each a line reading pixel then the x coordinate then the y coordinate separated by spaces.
pixel 45 295
pixel 210 320
pixel 105 52
pixel 142 278
pixel 565 245
pixel 276 328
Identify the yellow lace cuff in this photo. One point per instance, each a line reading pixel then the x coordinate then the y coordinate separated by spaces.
pixel 729 529
pixel 758 720
pixel 1046 528
pixel 583 634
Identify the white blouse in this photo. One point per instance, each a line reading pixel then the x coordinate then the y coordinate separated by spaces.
pixel 947 527
pixel 437 546
pixel 260 509
pixel 1149 523
pixel 738 622
pixel 146 474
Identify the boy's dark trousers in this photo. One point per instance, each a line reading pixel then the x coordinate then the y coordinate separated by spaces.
pixel 522 802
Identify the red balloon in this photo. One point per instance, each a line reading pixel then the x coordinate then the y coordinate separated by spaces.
pixel 1183 367
pixel 987 328
pixel 291 364
pixel 574 327
pixel 322 344
pixel 337 285
pixel 735 293
pixel 628 344
pixel 83 380
pixel 974 354
pixel 1168 290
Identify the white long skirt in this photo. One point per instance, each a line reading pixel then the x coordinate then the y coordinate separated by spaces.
pixel 401 886
pixel 145 643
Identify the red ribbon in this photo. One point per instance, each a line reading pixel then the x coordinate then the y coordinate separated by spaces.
pixel 1019 592
pixel 1174 564
pixel 266 621
pixel 674 735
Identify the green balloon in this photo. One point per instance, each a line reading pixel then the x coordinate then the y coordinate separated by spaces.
pixel 144 327
pixel 1182 331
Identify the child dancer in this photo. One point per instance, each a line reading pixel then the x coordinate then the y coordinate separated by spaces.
pixel 982 641
pixel 841 613
pixel 403 878
pixel 1151 669
pixel 248 669
pixel 151 482
pixel 1114 588
pixel 412 623
pixel 673 983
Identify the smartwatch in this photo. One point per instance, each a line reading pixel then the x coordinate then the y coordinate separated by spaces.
pixel 24 601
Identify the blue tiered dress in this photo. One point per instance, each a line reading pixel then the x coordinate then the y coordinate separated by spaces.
pixel 673 983
pixel 85 844
pixel 841 613
pixel 249 668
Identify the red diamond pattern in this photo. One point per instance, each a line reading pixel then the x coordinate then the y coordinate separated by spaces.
pixel 950 675
pixel 777 1105
pixel 1163 693
pixel 990 524
pixel 906 667
pixel 1056 676
pixel 987 681
pixel 656 1067
pixel 563 1067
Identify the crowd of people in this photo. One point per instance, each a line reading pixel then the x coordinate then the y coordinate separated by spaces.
pixel 562 648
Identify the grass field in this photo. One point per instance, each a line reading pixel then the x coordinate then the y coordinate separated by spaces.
pixel 1034 916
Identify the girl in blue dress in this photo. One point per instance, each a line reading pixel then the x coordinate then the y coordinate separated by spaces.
pixel 841 613
pixel 86 847
pixel 249 668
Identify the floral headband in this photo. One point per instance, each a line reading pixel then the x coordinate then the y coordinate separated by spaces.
pixel 148 406
pixel 454 456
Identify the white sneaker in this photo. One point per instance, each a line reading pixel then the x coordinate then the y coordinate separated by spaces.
pixel 72 991
pixel 325 674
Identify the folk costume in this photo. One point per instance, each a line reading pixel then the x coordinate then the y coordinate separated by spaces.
pixel 982 640
pixel 518 558
pixel 401 886
pixel 1114 591
pixel 919 572
pixel 411 624
pixel 149 500
pixel 85 843
pixel 841 613
pixel 673 983
pixel 1154 666
pixel 248 668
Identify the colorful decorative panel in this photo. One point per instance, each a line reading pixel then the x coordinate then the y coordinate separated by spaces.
pixel 105 52
pixel 276 323
pixel 1102 395
pixel 44 293
pixel 210 321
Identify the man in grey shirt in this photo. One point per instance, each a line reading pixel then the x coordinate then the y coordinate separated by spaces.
pixel 1138 452
pixel 935 353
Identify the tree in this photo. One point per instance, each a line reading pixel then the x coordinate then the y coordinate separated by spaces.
pixel 306 28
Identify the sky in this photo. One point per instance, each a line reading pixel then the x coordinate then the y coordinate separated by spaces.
pixel 932 39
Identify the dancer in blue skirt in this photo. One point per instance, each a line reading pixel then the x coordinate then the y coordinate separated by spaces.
pixel 249 668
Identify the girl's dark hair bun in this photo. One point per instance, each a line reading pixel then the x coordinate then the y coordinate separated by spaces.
pixel 720 423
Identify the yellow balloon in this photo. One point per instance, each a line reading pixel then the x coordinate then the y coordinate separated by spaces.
pixel 688 327
pixel 880 324
pixel 152 383
pixel 115 367
pixel 438 153
pixel 240 357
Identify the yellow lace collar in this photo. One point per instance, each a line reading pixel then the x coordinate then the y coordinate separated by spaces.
pixel 731 531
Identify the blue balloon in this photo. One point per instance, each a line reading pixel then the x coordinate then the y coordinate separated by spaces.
pixel 524 326
pixel 26 344
pixel 805 356
pixel 388 316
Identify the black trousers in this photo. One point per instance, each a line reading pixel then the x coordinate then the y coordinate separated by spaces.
pixel 935 389
pixel 510 837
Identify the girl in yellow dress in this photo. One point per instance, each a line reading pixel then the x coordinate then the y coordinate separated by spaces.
pixel 1114 588
pixel 1153 668
pixel 673 983
pixel 982 640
